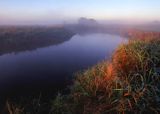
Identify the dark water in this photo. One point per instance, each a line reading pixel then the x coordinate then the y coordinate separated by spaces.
pixel 53 66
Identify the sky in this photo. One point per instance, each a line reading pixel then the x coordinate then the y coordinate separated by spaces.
pixel 62 11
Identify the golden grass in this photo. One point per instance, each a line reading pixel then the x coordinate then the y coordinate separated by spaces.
pixel 129 83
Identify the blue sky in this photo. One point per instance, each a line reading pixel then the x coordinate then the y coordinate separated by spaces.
pixel 58 11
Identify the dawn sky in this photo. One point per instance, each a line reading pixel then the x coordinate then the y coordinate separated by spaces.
pixel 58 11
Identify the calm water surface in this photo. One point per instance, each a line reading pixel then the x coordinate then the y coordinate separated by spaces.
pixel 53 66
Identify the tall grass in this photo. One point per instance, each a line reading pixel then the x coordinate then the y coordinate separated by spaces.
pixel 129 83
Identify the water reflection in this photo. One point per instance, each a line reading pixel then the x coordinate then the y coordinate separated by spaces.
pixel 53 66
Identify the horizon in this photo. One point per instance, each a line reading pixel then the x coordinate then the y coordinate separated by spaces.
pixel 51 12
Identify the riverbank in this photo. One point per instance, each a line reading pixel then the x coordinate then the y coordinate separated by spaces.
pixel 23 38
pixel 129 83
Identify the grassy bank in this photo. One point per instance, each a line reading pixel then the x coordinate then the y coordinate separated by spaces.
pixel 128 83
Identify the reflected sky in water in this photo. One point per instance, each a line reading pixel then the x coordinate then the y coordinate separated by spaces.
pixel 53 66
